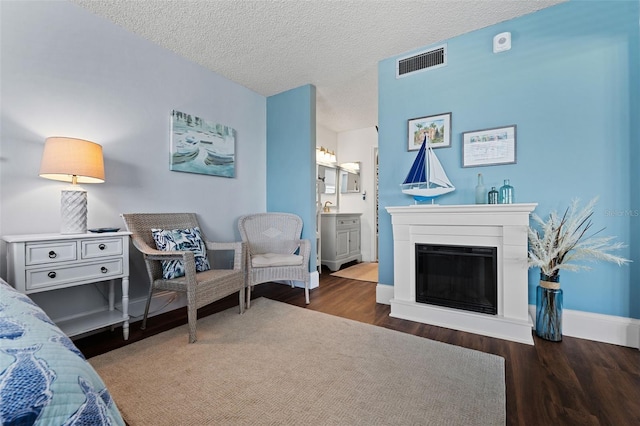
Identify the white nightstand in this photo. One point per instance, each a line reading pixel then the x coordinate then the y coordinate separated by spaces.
pixel 45 262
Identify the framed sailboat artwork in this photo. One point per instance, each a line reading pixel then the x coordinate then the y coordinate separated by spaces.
pixel 427 179
pixel 201 146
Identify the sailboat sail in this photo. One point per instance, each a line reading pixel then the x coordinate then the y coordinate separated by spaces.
pixel 416 174
pixel 437 176
pixel 427 178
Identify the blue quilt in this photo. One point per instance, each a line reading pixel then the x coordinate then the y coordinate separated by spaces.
pixel 44 378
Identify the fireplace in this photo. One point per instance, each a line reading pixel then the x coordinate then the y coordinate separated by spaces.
pixel 462 277
pixel 500 227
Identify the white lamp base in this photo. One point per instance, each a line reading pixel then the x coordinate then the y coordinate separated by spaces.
pixel 73 210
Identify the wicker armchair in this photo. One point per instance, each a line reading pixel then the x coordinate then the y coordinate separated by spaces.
pixel 202 288
pixel 275 249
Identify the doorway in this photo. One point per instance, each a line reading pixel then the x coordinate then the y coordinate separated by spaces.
pixel 375 210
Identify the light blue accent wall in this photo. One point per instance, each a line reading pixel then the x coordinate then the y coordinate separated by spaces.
pixel 634 160
pixel 291 142
pixel 570 84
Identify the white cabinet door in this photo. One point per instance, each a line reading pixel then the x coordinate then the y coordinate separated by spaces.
pixel 342 244
pixel 354 241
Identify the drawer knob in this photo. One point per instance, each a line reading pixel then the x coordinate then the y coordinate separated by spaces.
pixel 51 274
pixel 102 247
pixel 53 254
pixel 104 270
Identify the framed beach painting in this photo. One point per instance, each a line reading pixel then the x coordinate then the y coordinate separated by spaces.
pixel 436 128
pixel 489 147
pixel 201 146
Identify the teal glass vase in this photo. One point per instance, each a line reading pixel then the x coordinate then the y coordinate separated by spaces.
pixel 506 193
pixel 549 308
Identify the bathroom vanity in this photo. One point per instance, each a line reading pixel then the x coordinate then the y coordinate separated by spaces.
pixel 340 235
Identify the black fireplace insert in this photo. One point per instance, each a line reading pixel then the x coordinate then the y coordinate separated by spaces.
pixel 461 277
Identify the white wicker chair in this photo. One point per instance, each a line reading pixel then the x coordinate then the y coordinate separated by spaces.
pixel 275 250
pixel 202 288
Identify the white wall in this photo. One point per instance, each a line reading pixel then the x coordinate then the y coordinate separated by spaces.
pixel 358 145
pixel 328 139
pixel 67 72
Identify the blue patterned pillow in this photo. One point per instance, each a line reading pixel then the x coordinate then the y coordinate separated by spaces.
pixel 181 240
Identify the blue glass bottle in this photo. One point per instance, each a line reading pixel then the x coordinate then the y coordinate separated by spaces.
pixel 506 193
pixel 493 195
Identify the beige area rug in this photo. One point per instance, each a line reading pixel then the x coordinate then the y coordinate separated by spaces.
pixel 366 271
pixel 284 365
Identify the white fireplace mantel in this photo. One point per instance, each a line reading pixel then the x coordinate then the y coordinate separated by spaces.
pixel 503 226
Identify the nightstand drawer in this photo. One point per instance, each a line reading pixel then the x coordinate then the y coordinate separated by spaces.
pixel 55 276
pixel 101 248
pixel 39 253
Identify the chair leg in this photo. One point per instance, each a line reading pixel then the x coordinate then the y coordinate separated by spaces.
pixel 242 300
pixel 146 308
pixel 248 296
pixel 306 292
pixel 192 316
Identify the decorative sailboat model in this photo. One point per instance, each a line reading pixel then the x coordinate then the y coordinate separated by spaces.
pixel 426 179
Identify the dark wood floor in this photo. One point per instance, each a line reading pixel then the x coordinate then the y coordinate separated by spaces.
pixel 573 382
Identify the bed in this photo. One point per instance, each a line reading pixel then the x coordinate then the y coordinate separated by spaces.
pixel 44 378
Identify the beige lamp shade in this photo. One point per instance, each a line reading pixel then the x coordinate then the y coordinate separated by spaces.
pixel 72 160
pixel 76 161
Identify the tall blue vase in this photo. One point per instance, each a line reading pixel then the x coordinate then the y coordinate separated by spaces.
pixel 549 308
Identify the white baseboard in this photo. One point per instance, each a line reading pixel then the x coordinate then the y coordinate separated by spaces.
pixel 165 301
pixel 612 329
pixel 161 302
pixel 314 281
pixel 384 294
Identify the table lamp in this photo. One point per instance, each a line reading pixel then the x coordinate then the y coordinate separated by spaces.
pixel 76 161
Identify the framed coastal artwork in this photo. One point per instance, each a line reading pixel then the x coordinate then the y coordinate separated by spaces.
pixel 436 128
pixel 201 146
pixel 489 147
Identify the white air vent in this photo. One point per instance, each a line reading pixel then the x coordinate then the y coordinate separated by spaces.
pixel 425 60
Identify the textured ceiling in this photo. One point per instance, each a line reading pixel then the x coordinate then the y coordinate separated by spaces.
pixel 275 45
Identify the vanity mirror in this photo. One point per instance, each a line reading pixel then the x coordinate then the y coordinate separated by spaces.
pixel 349 177
pixel 329 176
